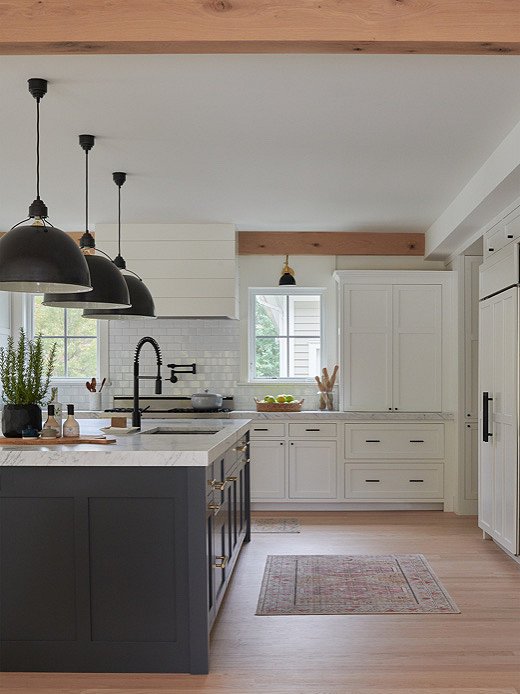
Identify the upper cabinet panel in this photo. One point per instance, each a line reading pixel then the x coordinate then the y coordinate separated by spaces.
pixel 396 340
pixel 189 268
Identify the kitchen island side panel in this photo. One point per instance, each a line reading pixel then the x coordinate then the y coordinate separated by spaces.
pixel 103 569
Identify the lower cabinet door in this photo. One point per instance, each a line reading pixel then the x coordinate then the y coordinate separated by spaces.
pixel 471 461
pixel 221 550
pixel 267 470
pixel 312 470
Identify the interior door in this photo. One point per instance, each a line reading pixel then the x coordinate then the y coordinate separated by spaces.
pixel 367 347
pixel 417 348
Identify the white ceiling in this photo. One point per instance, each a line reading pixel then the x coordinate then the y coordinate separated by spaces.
pixel 327 142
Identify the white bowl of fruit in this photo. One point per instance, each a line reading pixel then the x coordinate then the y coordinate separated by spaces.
pixel 279 403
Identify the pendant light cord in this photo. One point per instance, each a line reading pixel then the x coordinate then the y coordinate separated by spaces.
pixel 119 220
pixel 38 148
pixel 86 190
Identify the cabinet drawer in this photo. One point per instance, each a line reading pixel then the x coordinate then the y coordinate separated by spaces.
pixel 385 441
pixel 271 429
pixel 513 230
pixel 394 481
pixel 312 429
pixel 494 240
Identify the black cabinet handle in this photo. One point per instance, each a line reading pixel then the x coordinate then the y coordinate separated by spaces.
pixel 416 440
pixel 372 441
pixel 491 250
pixel 416 480
pixel 485 416
pixel 510 236
pixel 312 429
pixel 264 429
pixel 372 480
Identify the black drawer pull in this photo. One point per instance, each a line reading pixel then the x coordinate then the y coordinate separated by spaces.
pixel 416 480
pixel 372 480
pixel 510 236
pixel 416 440
pixel 372 441
pixel 264 429
pixel 491 250
pixel 312 429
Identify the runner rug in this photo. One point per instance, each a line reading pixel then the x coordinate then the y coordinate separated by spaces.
pixel 275 525
pixel 351 584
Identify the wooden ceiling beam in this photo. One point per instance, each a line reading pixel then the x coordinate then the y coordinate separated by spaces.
pixel 329 243
pixel 259 26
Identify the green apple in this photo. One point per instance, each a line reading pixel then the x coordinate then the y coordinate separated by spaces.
pixel 269 399
pixel 280 399
pixel 289 398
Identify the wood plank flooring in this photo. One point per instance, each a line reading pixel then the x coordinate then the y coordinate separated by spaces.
pixel 476 652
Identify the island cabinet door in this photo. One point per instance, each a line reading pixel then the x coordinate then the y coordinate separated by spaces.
pixel 221 552
pixel 103 569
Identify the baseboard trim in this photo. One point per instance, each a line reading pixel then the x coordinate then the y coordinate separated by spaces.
pixel 343 506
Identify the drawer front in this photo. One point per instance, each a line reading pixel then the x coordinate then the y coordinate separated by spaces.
pixel 513 230
pixel 312 429
pixel 394 481
pixel 270 429
pixel 494 241
pixel 391 441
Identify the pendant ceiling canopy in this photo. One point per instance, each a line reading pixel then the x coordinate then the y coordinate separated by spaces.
pixel 109 289
pixel 39 257
pixel 141 300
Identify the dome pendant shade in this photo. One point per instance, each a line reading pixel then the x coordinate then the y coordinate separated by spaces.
pixel 287 274
pixel 37 258
pixel 140 297
pixel 109 288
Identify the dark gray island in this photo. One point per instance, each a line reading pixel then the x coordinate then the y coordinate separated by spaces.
pixel 116 558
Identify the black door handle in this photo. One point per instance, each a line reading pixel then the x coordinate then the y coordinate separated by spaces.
pixel 485 416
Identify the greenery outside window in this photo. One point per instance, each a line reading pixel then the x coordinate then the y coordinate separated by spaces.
pixel 76 339
pixel 285 333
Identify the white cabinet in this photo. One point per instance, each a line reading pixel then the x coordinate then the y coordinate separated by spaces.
pixel 396 440
pixel 267 469
pixel 366 337
pixel 394 481
pixel 391 341
pixel 312 470
pixel 498 424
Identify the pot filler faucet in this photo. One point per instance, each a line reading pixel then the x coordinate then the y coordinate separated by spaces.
pixel 136 413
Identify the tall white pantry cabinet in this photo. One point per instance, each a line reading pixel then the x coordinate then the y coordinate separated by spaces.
pixel 499 389
pixel 396 333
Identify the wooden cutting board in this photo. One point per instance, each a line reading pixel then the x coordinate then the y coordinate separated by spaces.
pixel 55 442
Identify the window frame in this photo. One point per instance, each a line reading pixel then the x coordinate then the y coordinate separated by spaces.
pixel 289 290
pixel 102 345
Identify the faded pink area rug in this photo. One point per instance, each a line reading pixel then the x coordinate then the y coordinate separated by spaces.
pixel 351 584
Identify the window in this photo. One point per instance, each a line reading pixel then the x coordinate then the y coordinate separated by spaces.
pixel 76 338
pixel 285 333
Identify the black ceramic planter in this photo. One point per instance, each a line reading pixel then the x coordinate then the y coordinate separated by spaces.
pixel 15 418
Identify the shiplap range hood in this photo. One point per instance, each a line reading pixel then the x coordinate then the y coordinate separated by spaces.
pixel 191 269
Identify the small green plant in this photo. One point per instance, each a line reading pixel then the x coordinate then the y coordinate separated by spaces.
pixel 25 371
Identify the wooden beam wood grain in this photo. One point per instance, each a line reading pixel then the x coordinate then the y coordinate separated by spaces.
pixel 329 243
pixel 259 26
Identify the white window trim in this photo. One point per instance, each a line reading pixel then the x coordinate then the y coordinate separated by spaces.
pixel 23 316
pixel 301 291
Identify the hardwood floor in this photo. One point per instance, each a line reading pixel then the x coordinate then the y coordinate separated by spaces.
pixel 476 652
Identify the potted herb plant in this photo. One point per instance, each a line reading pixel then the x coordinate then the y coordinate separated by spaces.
pixel 25 373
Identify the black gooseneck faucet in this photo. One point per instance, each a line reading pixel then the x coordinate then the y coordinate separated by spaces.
pixel 136 413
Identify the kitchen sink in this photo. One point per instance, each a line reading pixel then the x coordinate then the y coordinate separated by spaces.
pixel 176 432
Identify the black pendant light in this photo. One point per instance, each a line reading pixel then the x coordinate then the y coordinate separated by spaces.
pixel 109 289
pixel 140 296
pixel 40 257
pixel 287 274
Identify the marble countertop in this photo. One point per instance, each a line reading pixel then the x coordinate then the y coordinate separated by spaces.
pixel 305 415
pixel 139 449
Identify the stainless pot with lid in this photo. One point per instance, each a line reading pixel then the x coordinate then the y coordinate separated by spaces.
pixel 206 401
